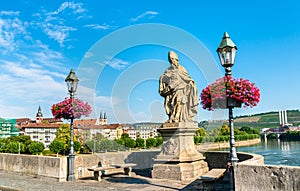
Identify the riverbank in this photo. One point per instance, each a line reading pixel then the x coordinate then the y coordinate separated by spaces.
pixel 203 147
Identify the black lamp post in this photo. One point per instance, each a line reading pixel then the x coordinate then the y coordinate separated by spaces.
pixel 72 82
pixel 227 52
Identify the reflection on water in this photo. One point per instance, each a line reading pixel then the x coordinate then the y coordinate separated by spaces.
pixel 276 152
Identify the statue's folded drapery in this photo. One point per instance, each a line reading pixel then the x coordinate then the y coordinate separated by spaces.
pixel 179 91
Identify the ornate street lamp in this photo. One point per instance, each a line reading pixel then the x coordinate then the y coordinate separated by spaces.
pixel 227 52
pixel 72 82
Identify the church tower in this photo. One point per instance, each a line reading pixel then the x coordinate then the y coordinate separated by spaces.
pixel 103 119
pixel 39 115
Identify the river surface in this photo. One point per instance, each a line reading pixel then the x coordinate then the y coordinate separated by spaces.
pixel 276 152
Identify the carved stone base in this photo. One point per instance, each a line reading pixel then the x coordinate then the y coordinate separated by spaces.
pixel 180 171
pixel 179 159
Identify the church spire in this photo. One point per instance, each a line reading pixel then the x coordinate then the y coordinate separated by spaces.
pixel 39 115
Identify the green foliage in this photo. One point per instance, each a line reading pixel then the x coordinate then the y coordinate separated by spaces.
pixel 109 145
pixel 200 132
pixel 85 149
pixel 57 146
pixel 151 142
pixel 249 130
pixel 63 133
pixel 271 136
pixel 225 130
pixel 120 141
pixel 35 147
pixel 291 136
pixel 22 139
pixel 159 141
pixel 224 138
pixel 63 136
pixel 47 152
pixel 238 132
pixel 77 146
pixel 140 143
pixel 129 142
pixel 15 147
pixel 196 139
pixel 124 136
pixel 104 145
pixel 98 137
pixel 2 144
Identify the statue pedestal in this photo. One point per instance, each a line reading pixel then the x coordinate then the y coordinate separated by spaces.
pixel 179 159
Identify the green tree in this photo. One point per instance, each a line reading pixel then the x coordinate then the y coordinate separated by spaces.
pixel 35 147
pixel 120 141
pixel 124 136
pixel 225 130
pixel 15 147
pixel 77 146
pixel 151 142
pixel 129 142
pixel 159 141
pixel 200 132
pixel 140 143
pixel 238 132
pixel 57 146
pixel 63 133
pixel 249 130
pixel 98 137
pixel 2 144
pixel 22 139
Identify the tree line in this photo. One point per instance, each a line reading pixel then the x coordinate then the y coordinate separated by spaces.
pixel 223 134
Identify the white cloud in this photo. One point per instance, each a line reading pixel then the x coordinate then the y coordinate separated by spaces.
pixel 116 63
pixel 147 14
pixel 54 24
pixel 75 7
pixel 58 32
pixel 97 26
pixel 10 31
pixel 23 86
pixel 10 13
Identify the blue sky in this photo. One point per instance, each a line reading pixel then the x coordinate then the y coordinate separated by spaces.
pixel 119 50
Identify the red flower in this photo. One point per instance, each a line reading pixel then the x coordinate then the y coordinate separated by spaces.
pixel 214 95
pixel 70 108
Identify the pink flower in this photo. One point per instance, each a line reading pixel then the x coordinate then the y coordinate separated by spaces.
pixel 214 95
pixel 70 108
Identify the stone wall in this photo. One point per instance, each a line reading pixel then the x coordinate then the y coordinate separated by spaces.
pixel 56 167
pixel 218 159
pixel 52 167
pixel 267 177
pixel 143 159
pixel 250 173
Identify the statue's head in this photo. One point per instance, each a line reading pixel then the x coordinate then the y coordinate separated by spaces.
pixel 173 58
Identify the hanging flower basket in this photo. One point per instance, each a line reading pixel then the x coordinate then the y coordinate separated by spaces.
pixel 70 109
pixel 229 92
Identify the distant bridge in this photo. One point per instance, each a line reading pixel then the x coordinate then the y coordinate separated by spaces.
pixel 277 133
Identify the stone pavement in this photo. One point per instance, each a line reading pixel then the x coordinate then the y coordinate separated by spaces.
pixel 20 182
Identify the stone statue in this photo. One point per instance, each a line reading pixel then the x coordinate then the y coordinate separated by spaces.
pixel 179 91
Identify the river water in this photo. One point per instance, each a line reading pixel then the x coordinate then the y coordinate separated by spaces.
pixel 276 152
